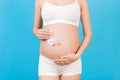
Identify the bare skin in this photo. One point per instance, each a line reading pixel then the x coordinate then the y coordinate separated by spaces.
pixel 66 34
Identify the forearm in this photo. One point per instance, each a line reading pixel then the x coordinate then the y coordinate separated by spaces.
pixel 35 30
pixel 86 41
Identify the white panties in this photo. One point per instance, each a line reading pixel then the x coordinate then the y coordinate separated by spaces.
pixel 48 67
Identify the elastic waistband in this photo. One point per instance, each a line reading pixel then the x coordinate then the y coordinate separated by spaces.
pixel 42 57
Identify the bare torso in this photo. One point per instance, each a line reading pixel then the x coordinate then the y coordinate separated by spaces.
pixel 68 37
pixel 66 34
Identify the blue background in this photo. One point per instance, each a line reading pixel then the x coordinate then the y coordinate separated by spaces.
pixel 19 48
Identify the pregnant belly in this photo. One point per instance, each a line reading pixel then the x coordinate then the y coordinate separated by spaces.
pixel 68 38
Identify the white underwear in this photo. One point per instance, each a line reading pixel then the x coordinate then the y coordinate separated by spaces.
pixel 48 67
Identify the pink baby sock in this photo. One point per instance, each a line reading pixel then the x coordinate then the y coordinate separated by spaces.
pixel 52 41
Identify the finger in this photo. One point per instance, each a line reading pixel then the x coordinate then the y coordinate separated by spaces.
pixel 63 63
pixel 47 30
pixel 64 57
pixel 60 63
pixel 66 61
pixel 43 36
pixel 44 33
pixel 59 60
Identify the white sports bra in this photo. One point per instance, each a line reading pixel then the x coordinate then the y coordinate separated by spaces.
pixel 69 14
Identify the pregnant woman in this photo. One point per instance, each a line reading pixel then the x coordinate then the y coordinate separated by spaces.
pixel 60 48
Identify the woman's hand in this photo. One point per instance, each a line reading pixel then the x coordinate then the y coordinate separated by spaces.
pixel 65 60
pixel 42 34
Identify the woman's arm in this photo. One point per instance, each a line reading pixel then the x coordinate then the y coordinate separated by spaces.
pixel 37 16
pixel 86 27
